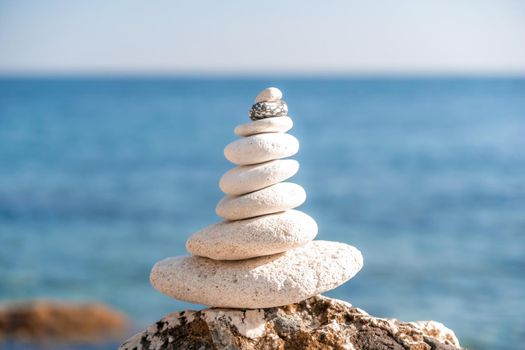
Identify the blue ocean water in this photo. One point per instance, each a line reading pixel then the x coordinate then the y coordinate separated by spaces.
pixel 101 178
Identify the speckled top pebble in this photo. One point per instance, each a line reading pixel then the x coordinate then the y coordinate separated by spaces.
pixel 270 109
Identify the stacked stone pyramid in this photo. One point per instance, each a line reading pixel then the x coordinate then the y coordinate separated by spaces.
pixel 263 254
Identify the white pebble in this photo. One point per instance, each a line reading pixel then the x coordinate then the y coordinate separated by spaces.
pixel 261 148
pixel 273 199
pixel 269 94
pixel 275 124
pixel 269 281
pixel 250 238
pixel 248 178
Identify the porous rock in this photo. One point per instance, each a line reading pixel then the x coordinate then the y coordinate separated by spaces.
pixel 260 236
pixel 261 148
pixel 268 281
pixel 315 323
pixel 272 199
pixel 248 178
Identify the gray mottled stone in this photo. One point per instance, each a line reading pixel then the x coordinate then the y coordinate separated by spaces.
pixel 270 109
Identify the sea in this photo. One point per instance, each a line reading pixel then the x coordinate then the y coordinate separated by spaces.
pixel 102 177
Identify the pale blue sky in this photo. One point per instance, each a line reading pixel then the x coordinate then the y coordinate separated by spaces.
pixel 369 36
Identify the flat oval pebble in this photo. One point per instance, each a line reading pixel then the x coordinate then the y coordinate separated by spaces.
pixel 276 124
pixel 248 178
pixel 273 199
pixel 270 281
pixel 260 236
pixel 269 94
pixel 269 109
pixel 261 148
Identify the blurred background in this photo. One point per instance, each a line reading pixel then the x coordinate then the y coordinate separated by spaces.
pixel 410 114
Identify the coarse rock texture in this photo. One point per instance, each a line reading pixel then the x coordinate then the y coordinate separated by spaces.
pixel 248 178
pixel 268 281
pixel 45 320
pixel 268 109
pixel 260 236
pixel 269 94
pixel 315 323
pixel 261 148
pixel 273 199
pixel 277 124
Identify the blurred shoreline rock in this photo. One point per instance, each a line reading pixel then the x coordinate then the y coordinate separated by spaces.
pixel 59 321
pixel 316 323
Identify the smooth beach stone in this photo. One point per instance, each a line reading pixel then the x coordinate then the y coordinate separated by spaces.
pixel 261 148
pixel 263 282
pixel 277 124
pixel 269 94
pixel 248 178
pixel 268 109
pixel 273 199
pixel 260 236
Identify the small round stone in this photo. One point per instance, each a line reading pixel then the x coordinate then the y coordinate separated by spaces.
pixel 273 199
pixel 262 110
pixel 277 124
pixel 248 178
pixel 269 94
pixel 261 148
pixel 269 281
pixel 250 238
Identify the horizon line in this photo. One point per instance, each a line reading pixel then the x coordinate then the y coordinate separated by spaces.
pixel 112 74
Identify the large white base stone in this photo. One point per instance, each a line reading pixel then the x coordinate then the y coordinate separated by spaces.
pixel 269 281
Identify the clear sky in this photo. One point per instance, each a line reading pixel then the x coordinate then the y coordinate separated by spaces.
pixel 210 36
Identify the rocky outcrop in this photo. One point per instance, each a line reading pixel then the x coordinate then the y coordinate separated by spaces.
pixel 60 321
pixel 315 323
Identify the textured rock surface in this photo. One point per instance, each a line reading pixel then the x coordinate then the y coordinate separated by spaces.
pixel 261 148
pixel 277 124
pixel 44 320
pixel 248 178
pixel 269 109
pixel 244 239
pixel 316 323
pixel 268 281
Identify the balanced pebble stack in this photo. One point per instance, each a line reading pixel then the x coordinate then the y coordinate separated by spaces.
pixel 263 254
